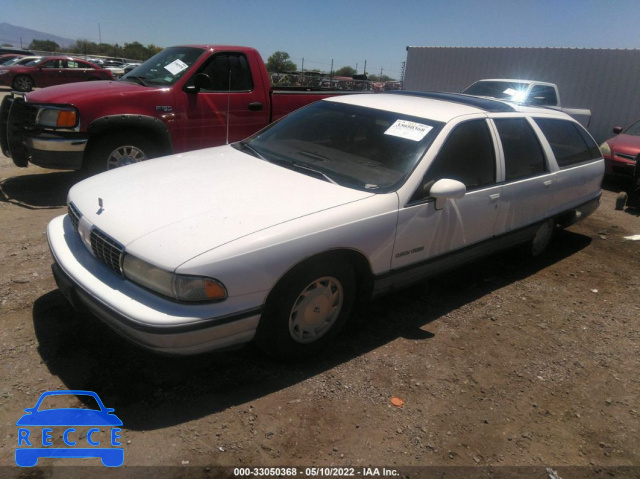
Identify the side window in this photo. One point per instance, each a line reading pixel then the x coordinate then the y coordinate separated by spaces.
pixel 569 144
pixel 543 95
pixel 229 72
pixel 467 156
pixel 52 64
pixel 523 154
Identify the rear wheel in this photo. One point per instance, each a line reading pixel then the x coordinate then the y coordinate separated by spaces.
pixel 23 83
pixel 542 239
pixel 120 149
pixel 306 310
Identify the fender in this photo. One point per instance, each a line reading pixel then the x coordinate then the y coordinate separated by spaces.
pixel 140 122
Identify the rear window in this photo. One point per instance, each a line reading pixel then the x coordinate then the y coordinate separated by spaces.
pixel 570 143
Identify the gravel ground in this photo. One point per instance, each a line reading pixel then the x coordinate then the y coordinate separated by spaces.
pixel 509 367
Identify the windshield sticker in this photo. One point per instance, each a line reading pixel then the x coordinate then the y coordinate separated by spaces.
pixel 408 130
pixel 176 66
pixel 510 91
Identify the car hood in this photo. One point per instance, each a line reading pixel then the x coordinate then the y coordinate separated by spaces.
pixel 624 143
pixel 74 93
pixel 169 210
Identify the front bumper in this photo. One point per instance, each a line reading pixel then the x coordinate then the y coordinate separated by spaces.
pixel 615 165
pixel 23 142
pixel 139 315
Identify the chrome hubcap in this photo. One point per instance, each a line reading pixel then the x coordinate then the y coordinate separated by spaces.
pixel 125 155
pixel 315 310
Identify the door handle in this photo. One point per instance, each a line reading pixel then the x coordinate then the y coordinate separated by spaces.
pixel 256 106
pixel 494 197
pixel 547 183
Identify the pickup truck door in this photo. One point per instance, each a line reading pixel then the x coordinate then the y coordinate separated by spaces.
pixel 234 94
pixel 425 233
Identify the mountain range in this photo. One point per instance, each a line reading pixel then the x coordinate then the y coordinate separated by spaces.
pixel 20 37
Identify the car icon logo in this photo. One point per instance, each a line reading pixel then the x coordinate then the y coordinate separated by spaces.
pixel 67 426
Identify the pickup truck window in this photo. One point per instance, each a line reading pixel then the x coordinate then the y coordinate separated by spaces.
pixel 523 154
pixel 569 143
pixel 496 89
pixel 543 95
pixel 166 67
pixel 229 72
pixel 467 156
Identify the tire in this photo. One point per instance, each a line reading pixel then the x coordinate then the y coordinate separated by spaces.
pixel 116 150
pixel 621 200
pixel 542 238
pixel 306 310
pixel 23 83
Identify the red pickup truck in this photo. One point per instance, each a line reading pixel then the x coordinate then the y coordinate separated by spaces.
pixel 184 98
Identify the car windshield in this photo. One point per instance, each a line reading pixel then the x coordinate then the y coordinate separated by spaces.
pixel 497 89
pixel 633 129
pixel 353 146
pixel 166 67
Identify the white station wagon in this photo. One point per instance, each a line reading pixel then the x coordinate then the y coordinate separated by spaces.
pixel 273 238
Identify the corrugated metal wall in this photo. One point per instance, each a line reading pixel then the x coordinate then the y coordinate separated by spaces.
pixel 605 81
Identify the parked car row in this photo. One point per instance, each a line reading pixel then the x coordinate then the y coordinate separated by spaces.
pixel 25 73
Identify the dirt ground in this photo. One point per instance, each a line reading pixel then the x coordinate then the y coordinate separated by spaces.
pixel 510 367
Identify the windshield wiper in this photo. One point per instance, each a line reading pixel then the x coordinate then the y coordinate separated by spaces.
pixel 136 79
pixel 316 172
pixel 243 145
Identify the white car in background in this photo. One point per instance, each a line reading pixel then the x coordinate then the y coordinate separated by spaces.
pixel 273 238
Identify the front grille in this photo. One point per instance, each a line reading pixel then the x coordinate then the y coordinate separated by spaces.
pixel 107 250
pixel 74 215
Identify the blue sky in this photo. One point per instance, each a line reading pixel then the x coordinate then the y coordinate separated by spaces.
pixel 349 32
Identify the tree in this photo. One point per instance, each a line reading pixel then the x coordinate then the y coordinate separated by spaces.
pixel 279 62
pixel 44 45
pixel 345 72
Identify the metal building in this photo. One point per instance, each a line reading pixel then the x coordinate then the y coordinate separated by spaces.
pixel 605 81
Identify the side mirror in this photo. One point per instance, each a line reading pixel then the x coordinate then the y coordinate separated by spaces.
pixel 445 189
pixel 201 81
pixel 617 130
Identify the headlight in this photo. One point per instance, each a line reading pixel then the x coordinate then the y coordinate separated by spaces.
pixel 176 286
pixel 57 117
pixel 605 149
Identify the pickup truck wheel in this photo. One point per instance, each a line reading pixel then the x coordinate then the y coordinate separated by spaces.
pixel 621 200
pixel 111 152
pixel 542 238
pixel 306 310
pixel 23 83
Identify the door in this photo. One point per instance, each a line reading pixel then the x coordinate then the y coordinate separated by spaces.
pixel 49 73
pixel 424 232
pixel 230 109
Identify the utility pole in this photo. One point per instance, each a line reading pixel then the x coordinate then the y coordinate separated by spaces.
pixel 99 35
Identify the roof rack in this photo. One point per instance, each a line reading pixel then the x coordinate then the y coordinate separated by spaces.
pixel 486 104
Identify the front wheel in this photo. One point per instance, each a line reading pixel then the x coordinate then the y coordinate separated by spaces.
pixel 306 310
pixel 121 149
